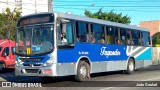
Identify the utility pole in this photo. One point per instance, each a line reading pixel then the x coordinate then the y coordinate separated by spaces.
pixel 50 5
pixel 35 6
pixel 7 3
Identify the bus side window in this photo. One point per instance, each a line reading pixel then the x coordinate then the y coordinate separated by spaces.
pixel 62 34
pixel 81 31
pixel 65 34
pixel 136 37
pixel 108 37
pixel 145 38
pixel 123 36
pixel 102 40
pixel 149 39
pixel 128 38
pixel 97 33
pixel 112 35
pixel 116 36
pixel 69 33
pixel 141 39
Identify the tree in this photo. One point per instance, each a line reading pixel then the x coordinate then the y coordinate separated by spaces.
pixel 156 39
pixel 8 22
pixel 108 16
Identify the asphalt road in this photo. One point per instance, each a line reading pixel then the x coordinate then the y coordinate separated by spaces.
pixel 103 81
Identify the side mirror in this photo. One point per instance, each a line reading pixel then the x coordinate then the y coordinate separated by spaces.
pixel 4 54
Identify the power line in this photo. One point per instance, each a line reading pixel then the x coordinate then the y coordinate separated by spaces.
pixel 92 1
pixel 84 5
pixel 24 3
pixel 91 9
pixel 100 2
pixel 68 5
pixel 107 1
pixel 112 9
pixel 60 6
pixel 23 7
pixel 107 6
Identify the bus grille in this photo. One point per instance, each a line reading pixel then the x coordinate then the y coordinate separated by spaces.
pixel 32 64
pixel 31 59
pixel 32 70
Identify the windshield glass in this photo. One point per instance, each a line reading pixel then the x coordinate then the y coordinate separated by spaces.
pixel 32 40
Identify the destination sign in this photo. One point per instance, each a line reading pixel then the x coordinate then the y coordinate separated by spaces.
pixel 36 19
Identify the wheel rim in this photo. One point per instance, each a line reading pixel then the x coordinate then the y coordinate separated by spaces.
pixel 83 71
pixel 131 66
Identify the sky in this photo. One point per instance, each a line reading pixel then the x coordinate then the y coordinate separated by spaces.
pixel 138 10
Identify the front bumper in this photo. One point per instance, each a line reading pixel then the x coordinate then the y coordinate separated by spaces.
pixel 34 71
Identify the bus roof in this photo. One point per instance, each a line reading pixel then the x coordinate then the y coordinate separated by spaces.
pixel 99 21
pixel 93 20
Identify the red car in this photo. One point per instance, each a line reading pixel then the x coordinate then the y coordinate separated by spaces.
pixel 7 54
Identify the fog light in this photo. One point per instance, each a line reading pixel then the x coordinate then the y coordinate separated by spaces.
pixel 47 71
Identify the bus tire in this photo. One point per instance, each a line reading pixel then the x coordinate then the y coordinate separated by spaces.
pixel 130 66
pixel 83 71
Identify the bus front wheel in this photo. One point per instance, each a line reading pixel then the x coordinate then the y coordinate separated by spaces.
pixel 130 66
pixel 83 71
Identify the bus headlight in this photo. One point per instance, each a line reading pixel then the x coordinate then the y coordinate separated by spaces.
pixel 18 63
pixel 49 62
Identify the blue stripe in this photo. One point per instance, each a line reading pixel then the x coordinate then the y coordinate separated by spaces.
pixel 92 51
pixel 145 55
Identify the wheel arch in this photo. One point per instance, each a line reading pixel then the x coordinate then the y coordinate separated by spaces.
pixel 133 61
pixel 83 58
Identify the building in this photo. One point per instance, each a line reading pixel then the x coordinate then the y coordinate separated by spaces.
pixel 27 6
pixel 10 4
pixel 36 6
pixel 154 26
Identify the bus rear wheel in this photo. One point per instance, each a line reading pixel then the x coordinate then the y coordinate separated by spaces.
pixel 83 71
pixel 130 66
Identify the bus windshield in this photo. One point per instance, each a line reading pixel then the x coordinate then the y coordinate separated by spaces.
pixel 34 40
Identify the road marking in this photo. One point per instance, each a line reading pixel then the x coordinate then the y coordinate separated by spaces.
pixel 129 83
pixel 151 79
pixel 107 88
pixel 116 86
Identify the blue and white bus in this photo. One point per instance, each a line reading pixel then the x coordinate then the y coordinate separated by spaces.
pixel 59 44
